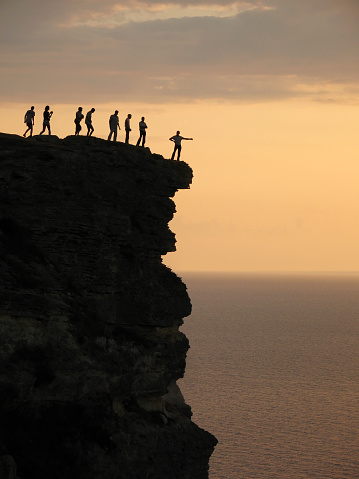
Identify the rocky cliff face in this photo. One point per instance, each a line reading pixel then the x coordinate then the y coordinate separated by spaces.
pixel 90 347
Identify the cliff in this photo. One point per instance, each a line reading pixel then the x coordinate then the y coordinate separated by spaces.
pixel 90 347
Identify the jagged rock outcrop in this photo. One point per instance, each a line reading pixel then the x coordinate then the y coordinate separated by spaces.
pixel 90 347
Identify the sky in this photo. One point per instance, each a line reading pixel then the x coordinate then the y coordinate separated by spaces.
pixel 268 89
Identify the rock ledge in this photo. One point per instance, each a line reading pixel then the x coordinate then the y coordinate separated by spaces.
pixel 90 346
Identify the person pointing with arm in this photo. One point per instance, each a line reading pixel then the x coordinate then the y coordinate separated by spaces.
pixel 177 138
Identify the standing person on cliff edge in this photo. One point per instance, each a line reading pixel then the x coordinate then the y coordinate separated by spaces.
pixel 29 119
pixel 128 127
pixel 177 138
pixel 88 122
pixel 114 123
pixel 46 122
pixel 142 126
pixel 79 116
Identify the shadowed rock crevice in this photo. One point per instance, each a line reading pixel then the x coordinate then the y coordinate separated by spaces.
pixel 90 349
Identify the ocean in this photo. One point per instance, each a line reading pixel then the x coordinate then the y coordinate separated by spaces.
pixel 273 373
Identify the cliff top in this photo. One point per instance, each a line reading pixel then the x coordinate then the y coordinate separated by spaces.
pixel 90 347
pixel 77 214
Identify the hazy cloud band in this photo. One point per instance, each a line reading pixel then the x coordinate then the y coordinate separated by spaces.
pixel 267 50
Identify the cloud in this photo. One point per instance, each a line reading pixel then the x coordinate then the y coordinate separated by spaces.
pixel 20 16
pixel 266 50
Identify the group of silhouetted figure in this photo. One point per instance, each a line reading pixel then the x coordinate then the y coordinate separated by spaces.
pixel 114 124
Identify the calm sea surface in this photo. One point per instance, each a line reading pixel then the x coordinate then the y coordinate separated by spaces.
pixel 273 373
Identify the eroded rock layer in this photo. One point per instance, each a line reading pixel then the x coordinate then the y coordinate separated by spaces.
pixel 90 347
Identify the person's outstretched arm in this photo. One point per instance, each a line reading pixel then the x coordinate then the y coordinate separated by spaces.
pixel 187 138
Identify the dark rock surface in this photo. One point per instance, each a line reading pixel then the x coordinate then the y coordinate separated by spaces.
pixel 90 347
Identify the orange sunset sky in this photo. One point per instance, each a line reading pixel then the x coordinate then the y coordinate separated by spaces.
pixel 269 90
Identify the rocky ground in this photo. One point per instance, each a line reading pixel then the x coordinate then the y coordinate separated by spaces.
pixel 90 347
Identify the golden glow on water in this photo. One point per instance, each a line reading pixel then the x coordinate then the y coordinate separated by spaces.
pixel 272 373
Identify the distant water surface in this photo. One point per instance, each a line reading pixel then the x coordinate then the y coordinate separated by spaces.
pixel 273 373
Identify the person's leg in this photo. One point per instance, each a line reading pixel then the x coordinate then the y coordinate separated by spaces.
pixel 48 127
pixel 115 134
pixel 109 136
pixel 92 129
pixel 88 129
pixel 138 141
pixel 43 128
pixel 174 152
pixel 29 127
pixel 179 148
pixel 143 138
pixel 127 136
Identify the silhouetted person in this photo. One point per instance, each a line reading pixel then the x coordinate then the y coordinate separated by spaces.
pixel 177 141
pixel 46 122
pixel 114 123
pixel 128 127
pixel 79 116
pixel 29 119
pixel 142 126
pixel 88 122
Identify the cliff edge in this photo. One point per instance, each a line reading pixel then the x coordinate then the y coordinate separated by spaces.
pixel 90 347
